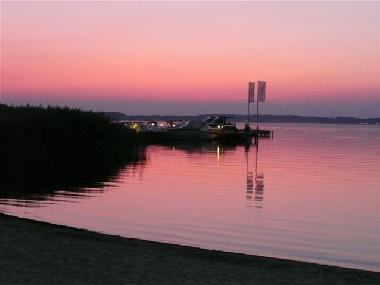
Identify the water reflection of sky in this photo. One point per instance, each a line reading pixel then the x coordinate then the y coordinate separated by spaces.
pixel 311 193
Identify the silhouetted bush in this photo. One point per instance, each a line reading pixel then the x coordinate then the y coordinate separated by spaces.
pixel 44 149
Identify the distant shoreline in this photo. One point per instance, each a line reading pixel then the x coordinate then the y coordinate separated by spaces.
pixel 262 118
pixel 36 252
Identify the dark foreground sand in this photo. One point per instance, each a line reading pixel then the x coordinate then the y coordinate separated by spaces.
pixel 40 253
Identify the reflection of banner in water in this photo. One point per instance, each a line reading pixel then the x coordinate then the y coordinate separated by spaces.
pixel 255 182
pixel 259 189
pixel 259 182
pixel 249 182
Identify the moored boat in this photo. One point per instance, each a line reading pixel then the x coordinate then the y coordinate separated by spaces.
pixel 213 128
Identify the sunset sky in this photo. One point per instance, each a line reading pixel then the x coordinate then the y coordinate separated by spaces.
pixel 318 58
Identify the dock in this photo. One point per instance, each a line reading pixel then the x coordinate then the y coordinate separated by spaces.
pixel 218 130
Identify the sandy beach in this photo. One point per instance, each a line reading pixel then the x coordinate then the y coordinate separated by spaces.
pixel 34 252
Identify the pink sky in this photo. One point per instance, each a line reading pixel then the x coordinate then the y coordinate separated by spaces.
pixel 82 52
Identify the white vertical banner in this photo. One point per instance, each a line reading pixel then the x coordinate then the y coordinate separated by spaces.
pixel 251 92
pixel 261 91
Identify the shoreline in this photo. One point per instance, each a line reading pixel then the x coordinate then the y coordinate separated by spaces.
pixel 35 252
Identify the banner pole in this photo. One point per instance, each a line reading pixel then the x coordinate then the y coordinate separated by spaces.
pixel 248 112
pixel 257 114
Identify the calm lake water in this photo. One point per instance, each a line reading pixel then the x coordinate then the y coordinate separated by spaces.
pixel 311 193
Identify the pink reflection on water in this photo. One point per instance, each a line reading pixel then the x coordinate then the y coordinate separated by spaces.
pixel 309 194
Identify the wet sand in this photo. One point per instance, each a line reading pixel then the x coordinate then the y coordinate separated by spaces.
pixel 41 253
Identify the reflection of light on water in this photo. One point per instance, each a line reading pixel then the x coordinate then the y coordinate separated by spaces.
pixel 188 197
pixel 218 153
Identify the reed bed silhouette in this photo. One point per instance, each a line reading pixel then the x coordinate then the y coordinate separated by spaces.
pixel 43 150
